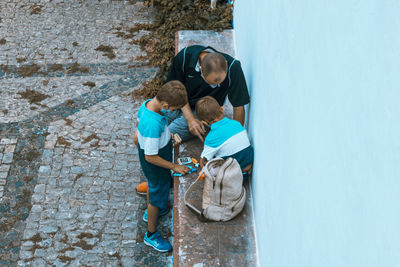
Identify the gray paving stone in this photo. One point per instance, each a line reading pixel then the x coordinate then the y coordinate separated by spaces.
pixel 82 186
pixel 38 262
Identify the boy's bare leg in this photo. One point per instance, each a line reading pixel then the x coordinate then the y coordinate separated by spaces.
pixel 152 216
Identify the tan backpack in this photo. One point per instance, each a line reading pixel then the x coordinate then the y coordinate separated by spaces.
pixel 224 195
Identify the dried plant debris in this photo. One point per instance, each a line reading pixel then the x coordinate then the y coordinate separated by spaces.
pixel 172 16
pixel 32 96
pixel 75 43
pixel 3 41
pixel 75 67
pixel 29 70
pixel 90 84
pixel 5 111
pixel 68 121
pixel 21 59
pixel 35 238
pixel 31 155
pixel 83 244
pixel 90 138
pixel 64 258
pixel 70 103
pixel 56 67
pixel 61 141
pixel 4 68
pixel 85 235
pixel 36 9
pixel 107 51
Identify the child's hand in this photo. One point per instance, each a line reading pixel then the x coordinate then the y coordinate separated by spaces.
pixel 203 162
pixel 182 169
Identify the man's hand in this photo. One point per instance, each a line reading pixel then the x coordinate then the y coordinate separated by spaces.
pixel 182 169
pixel 197 128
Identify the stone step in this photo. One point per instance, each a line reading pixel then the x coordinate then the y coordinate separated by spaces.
pixel 199 243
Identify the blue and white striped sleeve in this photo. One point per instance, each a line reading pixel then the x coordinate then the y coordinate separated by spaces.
pixel 149 139
pixel 208 152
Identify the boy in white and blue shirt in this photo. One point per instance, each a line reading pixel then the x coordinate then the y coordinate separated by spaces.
pixel 227 138
pixel 155 155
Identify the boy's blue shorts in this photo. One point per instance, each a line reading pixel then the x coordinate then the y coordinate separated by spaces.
pixel 158 178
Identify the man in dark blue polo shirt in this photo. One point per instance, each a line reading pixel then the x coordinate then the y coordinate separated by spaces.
pixel 206 72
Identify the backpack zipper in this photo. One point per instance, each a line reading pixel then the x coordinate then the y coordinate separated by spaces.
pixel 238 199
pixel 221 184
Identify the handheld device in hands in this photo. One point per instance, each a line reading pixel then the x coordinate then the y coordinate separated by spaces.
pixel 184 160
pixel 192 169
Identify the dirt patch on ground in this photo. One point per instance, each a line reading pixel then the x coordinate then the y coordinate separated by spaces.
pixel 32 154
pixel 66 249
pixel 5 111
pixel 3 41
pixel 56 67
pixel 4 67
pixel 64 258
pixel 29 70
pixel 75 43
pixel 36 9
pixel 32 96
pixel 108 51
pixel 90 84
pixel 116 255
pixel 61 141
pixel 21 59
pixel 70 103
pixel 64 239
pixel 75 67
pixel 85 235
pixel 90 138
pixel 77 177
pixel 36 238
pixel 83 244
pixel 28 178
pixel 68 122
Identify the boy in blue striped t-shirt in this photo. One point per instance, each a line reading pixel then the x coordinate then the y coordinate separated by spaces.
pixel 227 138
pixel 155 155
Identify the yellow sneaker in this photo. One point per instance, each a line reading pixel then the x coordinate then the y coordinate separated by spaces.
pixel 142 189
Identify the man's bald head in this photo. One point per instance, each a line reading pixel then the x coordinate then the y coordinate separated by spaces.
pixel 213 63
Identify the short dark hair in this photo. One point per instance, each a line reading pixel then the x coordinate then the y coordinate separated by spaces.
pixel 174 93
pixel 213 62
pixel 208 109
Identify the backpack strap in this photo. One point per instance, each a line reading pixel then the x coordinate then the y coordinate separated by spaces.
pixel 190 189
pixel 191 207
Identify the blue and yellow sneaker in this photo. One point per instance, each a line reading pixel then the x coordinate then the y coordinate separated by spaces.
pixel 160 213
pixel 157 242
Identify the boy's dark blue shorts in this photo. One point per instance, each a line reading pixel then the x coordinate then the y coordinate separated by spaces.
pixel 158 178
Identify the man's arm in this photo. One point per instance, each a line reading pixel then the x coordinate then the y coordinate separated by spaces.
pixel 238 94
pixel 195 126
pixel 239 114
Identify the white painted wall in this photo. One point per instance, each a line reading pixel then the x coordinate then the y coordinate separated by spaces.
pixel 324 79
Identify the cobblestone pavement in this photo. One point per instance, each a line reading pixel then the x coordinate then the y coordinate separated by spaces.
pixel 68 166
